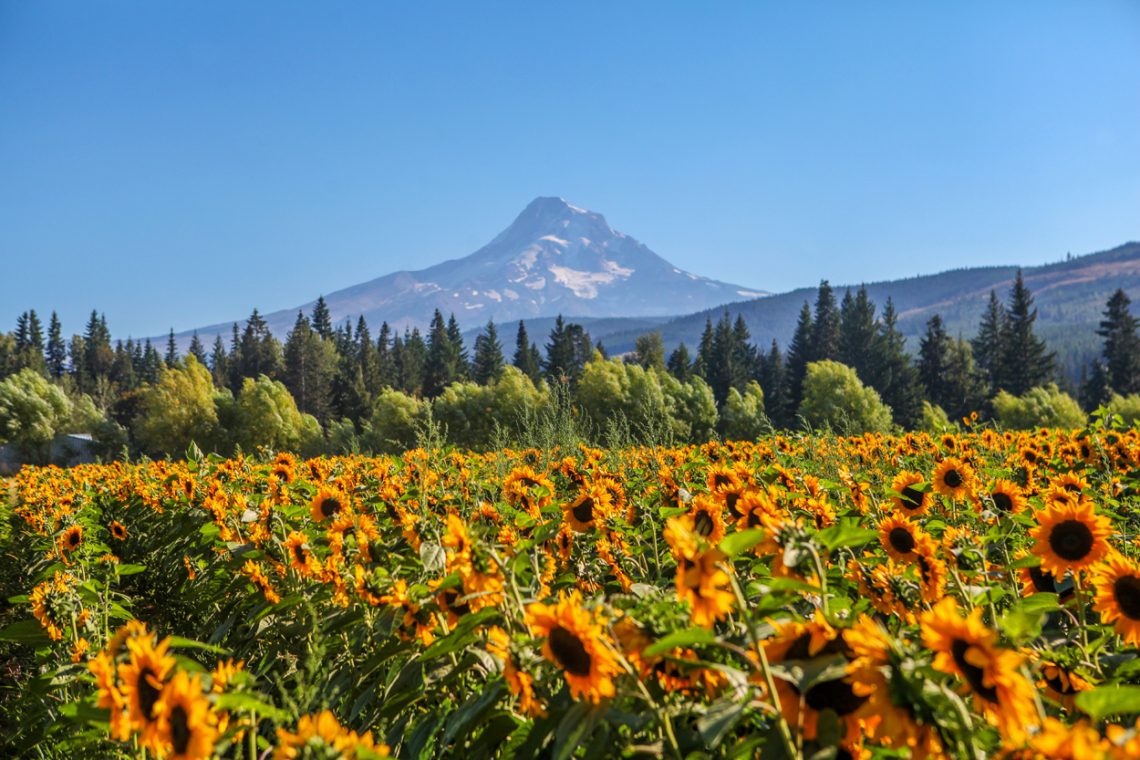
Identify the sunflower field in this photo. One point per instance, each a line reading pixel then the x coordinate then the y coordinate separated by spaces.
pixel 973 595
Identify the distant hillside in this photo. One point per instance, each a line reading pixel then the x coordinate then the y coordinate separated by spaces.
pixel 1069 296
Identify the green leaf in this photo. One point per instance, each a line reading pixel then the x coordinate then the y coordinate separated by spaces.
pixel 179 642
pixel 737 543
pixel 462 721
pixel 847 533
pixel 686 638
pixel 130 569
pixel 718 721
pixel 248 703
pixel 1103 701
pixel 25 632
pixel 462 634
pixel 576 726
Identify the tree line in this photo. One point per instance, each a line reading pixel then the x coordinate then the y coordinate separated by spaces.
pixel 335 387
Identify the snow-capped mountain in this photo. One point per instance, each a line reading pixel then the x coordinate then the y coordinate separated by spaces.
pixel 554 258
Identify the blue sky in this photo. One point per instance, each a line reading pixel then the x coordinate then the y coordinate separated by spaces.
pixel 178 163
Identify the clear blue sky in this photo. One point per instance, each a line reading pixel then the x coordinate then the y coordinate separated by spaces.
pixel 178 163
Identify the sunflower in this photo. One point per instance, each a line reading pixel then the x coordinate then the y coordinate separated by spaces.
pixel 909 498
pixel 520 683
pixel 52 604
pixel 964 647
pixel 528 490
pixel 704 585
pixel 185 722
pixel 119 531
pixel 102 666
pixel 1070 537
pixel 1062 684
pixel 1007 497
pixel 899 537
pixel 71 539
pixel 575 642
pixel 1117 584
pixel 707 516
pixel 301 558
pixel 953 478
pixel 322 733
pixel 590 504
pixel 142 679
pixel 328 503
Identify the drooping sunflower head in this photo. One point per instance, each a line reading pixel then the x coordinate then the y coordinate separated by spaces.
pixel 1070 537
pixel 118 531
pixel 1007 497
pixel 142 679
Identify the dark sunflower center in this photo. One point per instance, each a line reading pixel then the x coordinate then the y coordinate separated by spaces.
pixel 703 524
pixel 974 675
pixel 924 569
pixel 901 540
pixel 952 478
pixel 1071 540
pixel 730 500
pixel 721 480
pixel 1060 685
pixel 73 539
pixel 584 511
pixel 1126 589
pixel 180 734
pixel 299 553
pixel 147 692
pixel 836 695
pixel 754 520
pixel 569 651
pixel 911 498
pixel 1002 501
pixel 330 506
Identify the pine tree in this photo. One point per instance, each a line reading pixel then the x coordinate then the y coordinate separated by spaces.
pixel 680 365
pixel 857 332
pixel 1027 362
pixel 171 349
pixel 1096 388
pixel 1121 345
pixel 965 385
pixel 893 374
pixel 525 357
pixel 773 382
pixel 934 361
pixel 219 363
pixel 366 356
pixel 800 354
pixel 705 350
pixel 258 353
pixel 309 366
pixel 488 363
pixel 322 319
pixel 385 361
pixel 152 363
pixel 197 350
pixel 745 360
pixel 124 374
pixel 98 354
pixel 443 358
pixel 988 345
pixel 56 351
pixel 412 360
pixel 825 325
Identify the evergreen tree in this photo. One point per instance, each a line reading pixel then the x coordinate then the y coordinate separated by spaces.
pixel 965 386
pixel 219 363
pixel 934 361
pixel 773 381
pixel 1096 389
pixel 29 343
pixel 680 365
pixel 309 366
pixel 171 357
pixel 526 356
pixel 705 350
pixel 197 350
pixel 567 352
pixel 488 365
pixel 410 356
pixel 322 319
pixel 385 365
pixel 458 350
pixel 857 332
pixel 893 374
pixel 443 358
pixel 1121 345
pixel 1027 362
pixel 825 325
pixel 366 356
pixel 98 354
pixel 988 345
pixel 152 364
pixel 348 393
pixel 649 351
pixel 258 353
pixel 56 350
pixel 800 354
pixel 124 374
pixel 745 359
